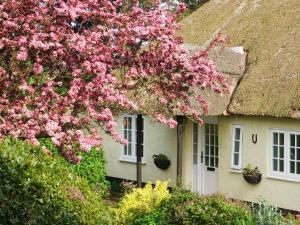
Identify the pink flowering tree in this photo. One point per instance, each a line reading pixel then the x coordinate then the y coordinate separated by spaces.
pixel 68 67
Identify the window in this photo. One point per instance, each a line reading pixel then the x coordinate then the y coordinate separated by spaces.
pixel 130 133
pixel 211 145
pixel 236 150
pixel 195 143
pixel 285 152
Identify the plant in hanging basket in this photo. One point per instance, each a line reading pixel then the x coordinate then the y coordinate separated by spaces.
pixel 252 175
pixel 162 161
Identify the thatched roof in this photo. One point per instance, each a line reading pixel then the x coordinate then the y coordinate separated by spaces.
pixel 230 62
pixel 269 30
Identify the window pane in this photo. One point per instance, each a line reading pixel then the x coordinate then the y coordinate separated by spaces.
pixel 195 148
pixel 212 139
pixel 142 138
pixel 129 136
pixel 142 152
pixel 125 122
pixel 298 167
pixel 212 161
pixel 195 137
pixel 212 150
pixel 298 153
pixel 217 151
pixel 237 133
pixel 195 159
pixel 129 148
pixel 207 139
pixel 217 161
pixel 125 150
pixel 281 137
pixel 281 152
pixel 275 151
pixel 292 137
pixel 217 140
pixel 292 154
pixel 298 140
pixel 195 132
pixel 236 146
pixel 275 138
pixel 206 161
pixel 206 149
pixel 292 167
pixel 129 123
pixel 143 124
pixel 281 165
pixel 236 159
pixel 275 164
pixel 212 128
pixel 206 129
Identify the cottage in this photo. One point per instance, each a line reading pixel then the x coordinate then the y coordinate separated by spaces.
pixel 257 123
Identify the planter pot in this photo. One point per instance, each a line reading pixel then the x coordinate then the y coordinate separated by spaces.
pixel 163 164
pixel 252 178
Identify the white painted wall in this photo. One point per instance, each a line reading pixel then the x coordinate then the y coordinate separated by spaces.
pixel 161 139
pixel 281 193
pixel 158 138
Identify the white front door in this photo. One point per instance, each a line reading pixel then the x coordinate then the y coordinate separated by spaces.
pixel 205 158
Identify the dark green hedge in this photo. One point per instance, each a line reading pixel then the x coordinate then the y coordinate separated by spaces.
pixel 91 167
pixel 38 189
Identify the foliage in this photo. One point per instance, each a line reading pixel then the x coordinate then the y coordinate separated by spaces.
pixel 115 186
pixel 185 207
pixel 162 161
pixel 213 210
pixel 140 202
pixel 247 221
pixel 265 214
pixel 161 157
pixel 60 60
pixel 250 170
pixel 36 188
pixel 127 186
pixel 92 166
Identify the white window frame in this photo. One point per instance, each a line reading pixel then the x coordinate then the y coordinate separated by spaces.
pixel 286 173
pixel 132 158
pixel 240 162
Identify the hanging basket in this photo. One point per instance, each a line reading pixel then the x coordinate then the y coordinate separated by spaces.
pixel 161 161
pixel 252 178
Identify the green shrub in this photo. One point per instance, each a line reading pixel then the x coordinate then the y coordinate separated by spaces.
pixel 265 214
pixel 91 167
pixel 185 207
pixel 38 189
pixel 140 202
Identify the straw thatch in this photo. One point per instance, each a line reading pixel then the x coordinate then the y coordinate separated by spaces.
pixel 269 30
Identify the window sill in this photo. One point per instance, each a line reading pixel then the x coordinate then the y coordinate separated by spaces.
pixel 295 180
pixel 131 160
pixel 236 171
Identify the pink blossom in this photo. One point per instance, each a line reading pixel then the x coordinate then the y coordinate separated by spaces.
pixel 38 68
pixel 85 76
pixel 22 55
